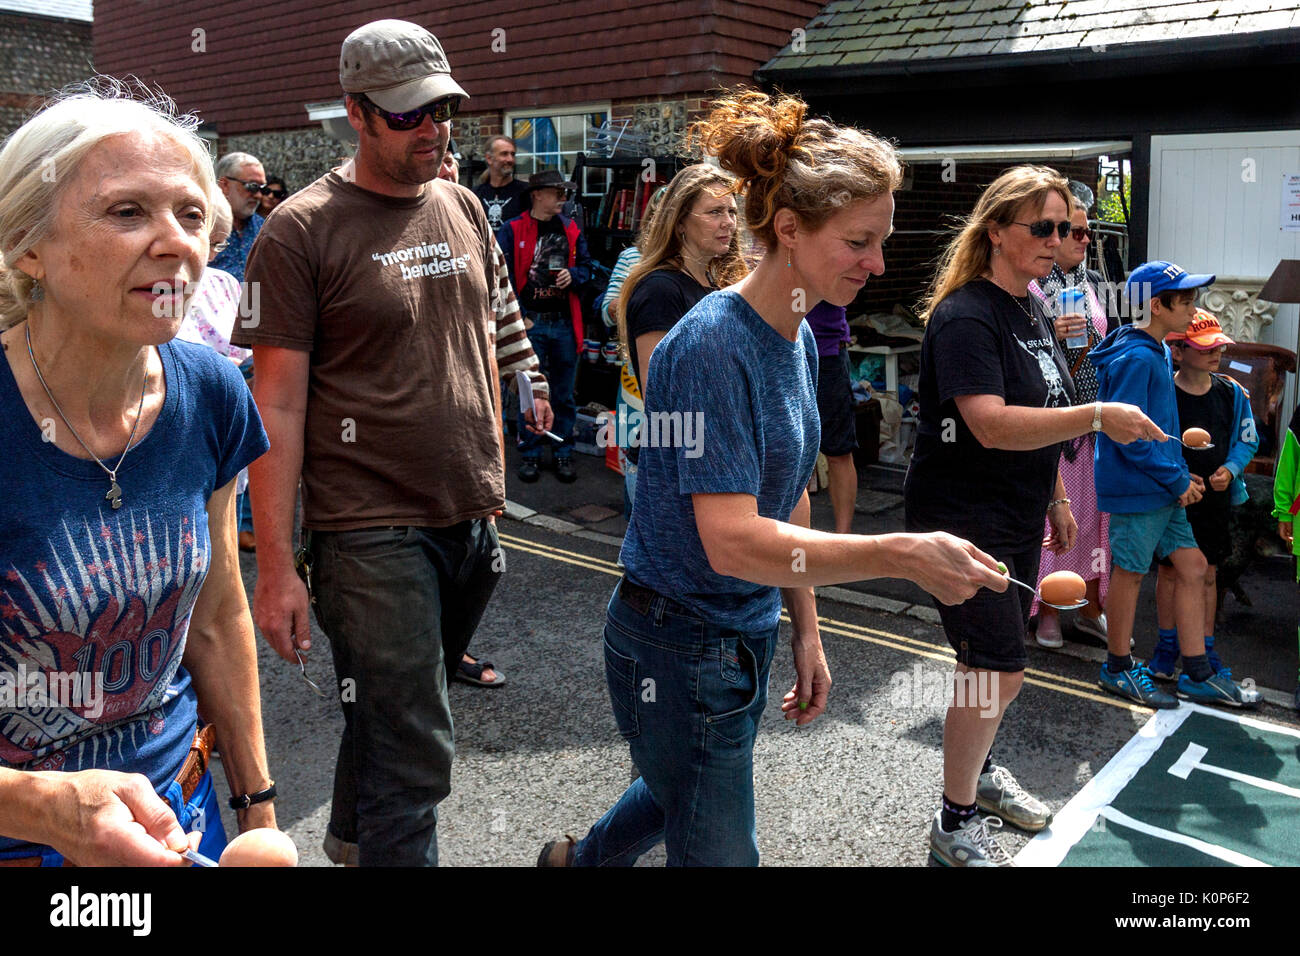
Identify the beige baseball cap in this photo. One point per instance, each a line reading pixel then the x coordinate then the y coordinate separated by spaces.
pixel 397 64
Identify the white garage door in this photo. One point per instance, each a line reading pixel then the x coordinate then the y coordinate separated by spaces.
pixel 1216 206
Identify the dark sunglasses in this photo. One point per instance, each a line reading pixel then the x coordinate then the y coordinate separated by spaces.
pixel 1043 228
pixel 254 188
pixel 439 110
pixel 276 193
pixel 1078 233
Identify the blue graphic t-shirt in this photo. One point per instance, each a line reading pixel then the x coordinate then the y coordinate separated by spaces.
pixel 94 602
pixel 731 408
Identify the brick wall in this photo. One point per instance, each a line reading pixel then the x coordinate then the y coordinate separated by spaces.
pixel 300 157
pixel 38 55
pixel 929 204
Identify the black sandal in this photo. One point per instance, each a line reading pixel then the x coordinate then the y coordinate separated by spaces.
pixel 468 673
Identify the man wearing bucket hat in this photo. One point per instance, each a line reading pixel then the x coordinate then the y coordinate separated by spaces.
pixel 385 318
pixel 1146 486
pixel 546 253
pixel 1221 407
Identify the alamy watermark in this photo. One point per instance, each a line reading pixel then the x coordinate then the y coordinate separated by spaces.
pixel 630 428
pixel 930 690
pixel 80 691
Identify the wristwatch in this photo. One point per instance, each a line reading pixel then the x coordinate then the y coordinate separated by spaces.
pixel 1096 416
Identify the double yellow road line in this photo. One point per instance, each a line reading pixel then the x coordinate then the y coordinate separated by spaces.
pixel 828 625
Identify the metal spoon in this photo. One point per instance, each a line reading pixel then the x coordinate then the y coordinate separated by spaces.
pixel 1206 447
pixel 1060 607
pixel 302 666
pixel 198 859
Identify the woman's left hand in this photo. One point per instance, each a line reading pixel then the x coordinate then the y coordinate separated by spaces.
pixel 812 682
pixel 1064 529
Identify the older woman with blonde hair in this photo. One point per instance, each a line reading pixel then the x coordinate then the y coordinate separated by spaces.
pixel 119 575
pixel 996 404
pixel 719 532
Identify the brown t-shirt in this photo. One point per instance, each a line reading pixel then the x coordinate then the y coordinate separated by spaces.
pixel 391 297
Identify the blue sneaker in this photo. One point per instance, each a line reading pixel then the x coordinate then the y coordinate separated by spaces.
pixel 1164 659
pixel 1136 685
pixel 1217 689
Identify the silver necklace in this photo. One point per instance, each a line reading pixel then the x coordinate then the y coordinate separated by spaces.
pixel 1029 315
pixel 115 490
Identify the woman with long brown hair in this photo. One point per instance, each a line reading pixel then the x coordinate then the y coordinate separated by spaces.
pixel 995 396
pixel 687 249
pixel 719 531
pixel 691 247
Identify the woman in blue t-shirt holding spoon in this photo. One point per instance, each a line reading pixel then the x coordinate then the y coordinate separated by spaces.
pixel 719 533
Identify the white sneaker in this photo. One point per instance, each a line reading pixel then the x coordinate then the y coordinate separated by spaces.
pixel 999 793
pixel 1048 633
pixel 1092 626
pixel 971 845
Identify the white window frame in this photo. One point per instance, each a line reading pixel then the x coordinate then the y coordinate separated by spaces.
pixel 580 109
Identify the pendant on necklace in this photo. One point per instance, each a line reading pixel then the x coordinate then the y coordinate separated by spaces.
pixel 115 495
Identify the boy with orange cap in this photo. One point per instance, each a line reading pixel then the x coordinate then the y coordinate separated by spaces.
pixel 1219 405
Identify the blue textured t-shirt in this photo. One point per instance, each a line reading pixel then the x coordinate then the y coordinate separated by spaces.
pixel 102 598
pixel 731 408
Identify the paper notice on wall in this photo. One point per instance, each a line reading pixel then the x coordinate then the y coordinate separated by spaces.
pixel 1291 202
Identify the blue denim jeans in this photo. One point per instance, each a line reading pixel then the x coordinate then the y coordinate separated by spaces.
pixel 397 603
pixel 245 511
pixel 688 697
pixel 557 355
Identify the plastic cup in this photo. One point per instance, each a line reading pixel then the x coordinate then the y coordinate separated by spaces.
pixel 1070 302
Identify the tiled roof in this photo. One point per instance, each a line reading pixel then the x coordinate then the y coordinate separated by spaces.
pixel 889 33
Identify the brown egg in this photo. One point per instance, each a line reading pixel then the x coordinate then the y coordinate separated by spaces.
pixel 1062 587
pixel 1196 438
pixel 262 847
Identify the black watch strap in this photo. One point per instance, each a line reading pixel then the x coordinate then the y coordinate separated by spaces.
pixel 246 800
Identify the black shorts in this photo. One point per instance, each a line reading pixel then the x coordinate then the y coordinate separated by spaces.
pixel 835 405
pixel 988 631
pixel 1210 529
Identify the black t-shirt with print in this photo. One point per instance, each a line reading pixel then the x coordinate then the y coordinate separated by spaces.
pixel 658 302
pixel 504 203
pixel 540 293
pixel 983 341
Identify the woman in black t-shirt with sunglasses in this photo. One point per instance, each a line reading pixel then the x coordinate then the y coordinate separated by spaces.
pixel 996 398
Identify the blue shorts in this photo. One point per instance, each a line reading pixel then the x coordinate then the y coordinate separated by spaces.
pixel 1134 538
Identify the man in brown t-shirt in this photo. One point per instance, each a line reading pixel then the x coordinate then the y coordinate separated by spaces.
pixel 380 317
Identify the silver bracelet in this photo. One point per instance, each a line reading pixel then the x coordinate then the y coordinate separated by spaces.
pixel 1058 501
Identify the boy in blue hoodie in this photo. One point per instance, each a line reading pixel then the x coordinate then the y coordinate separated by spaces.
pixel 1145 486
pixel 1219 405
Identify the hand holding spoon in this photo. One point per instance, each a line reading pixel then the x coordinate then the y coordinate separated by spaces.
pixel 1081 602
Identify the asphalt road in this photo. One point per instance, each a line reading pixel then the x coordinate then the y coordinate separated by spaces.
pixel 540 756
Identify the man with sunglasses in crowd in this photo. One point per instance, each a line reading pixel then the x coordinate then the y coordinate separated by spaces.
pixel 386 317
pixel 243 183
